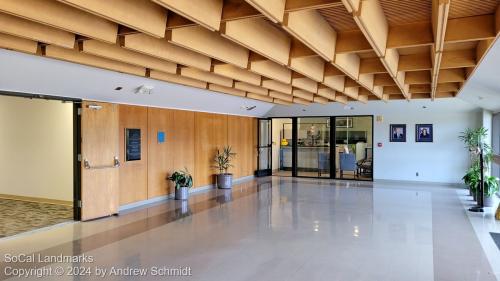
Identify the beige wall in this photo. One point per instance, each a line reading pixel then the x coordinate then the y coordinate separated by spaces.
pixel 36 148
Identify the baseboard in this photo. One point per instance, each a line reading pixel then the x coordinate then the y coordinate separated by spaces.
pixel 454 184
pixel 36 199
pixel 171 195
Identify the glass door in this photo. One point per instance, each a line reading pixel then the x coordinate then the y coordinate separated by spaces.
pixel 354 147
pixel 264 148
pixel 313 147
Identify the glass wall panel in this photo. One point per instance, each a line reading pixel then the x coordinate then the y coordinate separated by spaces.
pixel 313 147
pixel 282 146
pixel 354 147
pixel 264 167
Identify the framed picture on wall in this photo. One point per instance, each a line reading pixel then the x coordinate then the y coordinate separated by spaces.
pixel 343 122
pixel 397 132
pixel 424 133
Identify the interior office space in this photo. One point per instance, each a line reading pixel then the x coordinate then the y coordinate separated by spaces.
pixel 295 140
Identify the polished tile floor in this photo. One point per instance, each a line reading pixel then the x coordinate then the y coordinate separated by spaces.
pixel 277 229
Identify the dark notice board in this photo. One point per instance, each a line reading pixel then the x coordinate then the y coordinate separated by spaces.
pixel 132 144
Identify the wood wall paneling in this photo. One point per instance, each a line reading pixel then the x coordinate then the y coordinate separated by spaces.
pixel 161 155
pixel 133 174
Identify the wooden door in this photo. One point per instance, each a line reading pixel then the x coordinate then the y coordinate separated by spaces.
pixel 100 151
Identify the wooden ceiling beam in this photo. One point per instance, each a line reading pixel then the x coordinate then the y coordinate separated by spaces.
pixel 35 31
pixel 281 96
pixel 416 62
pixel 162 49
pixel 297 5
pixel 239 10
pixel 458 59
pixel 320 99
pixel 177 79
pixel 299 50
pixel 366 81
pixel 353 92
pixel 423 88
pixel 282 102
pixel 447 87
pixel 326 93
pixel 341 99
pixel 274 10
pixel 311 67
pixel 277 86
pixel 303 94
pixel 470 29
pixel 371 20
pixel 18 44
pixel 201 40
pixel 312 30
pixel 176 21
pixel 335 82
pixel 371 65
pixel 62 16
pixel 207 13
pixel 440 11
pixel 383 79
pixel 410 35
pixel 226 90
pixel 452 75
pixel 352 42
pixel 441 95
pixel 260 97
pixel 306 84
pixel 271 70
pixel 74 56
pixel 418 77
pixel 260 36
pixel 114 52
pixel 251 88
pixel 141 15
pixel 206 76
pixel 301 101
pixel 237 73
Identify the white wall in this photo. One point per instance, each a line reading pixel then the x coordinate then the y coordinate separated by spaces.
pixel 444 160
pixel 36 148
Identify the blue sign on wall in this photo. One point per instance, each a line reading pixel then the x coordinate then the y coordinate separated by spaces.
pixel 161 137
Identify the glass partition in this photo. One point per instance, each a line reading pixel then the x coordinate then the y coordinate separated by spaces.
pixel 264 148
pixel 282 146
pixel 354 147
pixel 313 147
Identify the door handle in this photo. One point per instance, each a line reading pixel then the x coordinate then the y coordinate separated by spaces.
pixel 88 166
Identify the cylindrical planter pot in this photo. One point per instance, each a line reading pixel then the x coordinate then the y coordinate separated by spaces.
pixel 181 193
pixel 488 201
pixel 225 181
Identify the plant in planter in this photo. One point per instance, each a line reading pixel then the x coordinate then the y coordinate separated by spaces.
pixel 490 188
pixel 222 164
pixel 471 179
pixel 183 182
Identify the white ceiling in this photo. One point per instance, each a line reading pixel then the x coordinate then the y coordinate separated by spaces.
pixel 483 88
pixel 40 75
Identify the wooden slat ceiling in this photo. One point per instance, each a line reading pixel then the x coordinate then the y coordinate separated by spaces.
pixel 283 51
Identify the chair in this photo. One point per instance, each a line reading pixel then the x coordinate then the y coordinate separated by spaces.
pixel 323 162
pixel 348 163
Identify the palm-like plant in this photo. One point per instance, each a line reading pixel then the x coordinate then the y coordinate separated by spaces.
pixel 223 159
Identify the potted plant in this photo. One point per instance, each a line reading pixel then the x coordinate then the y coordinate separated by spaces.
pixel 490 189
pixel 222 164
pixel 183 182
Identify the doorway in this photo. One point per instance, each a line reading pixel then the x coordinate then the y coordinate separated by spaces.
pixel 335 147
pixel 37 162
pixel 282 146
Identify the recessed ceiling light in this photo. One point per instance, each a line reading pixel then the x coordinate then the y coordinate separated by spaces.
pixel 118 88
pixel 248 107
pixel 480 98
pixel 424 107
pixel 303 109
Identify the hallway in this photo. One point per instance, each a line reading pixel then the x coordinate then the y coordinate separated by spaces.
pixel 282 229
